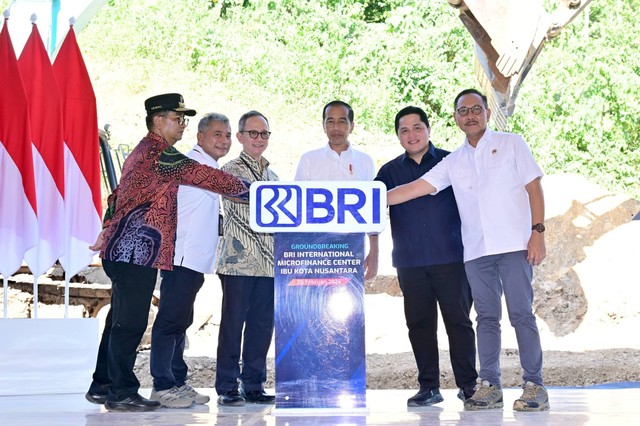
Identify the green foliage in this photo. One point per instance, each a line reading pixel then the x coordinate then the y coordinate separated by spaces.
pixel 578 108
pixel 370 11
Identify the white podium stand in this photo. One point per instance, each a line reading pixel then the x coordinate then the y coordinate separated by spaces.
pixel 47 356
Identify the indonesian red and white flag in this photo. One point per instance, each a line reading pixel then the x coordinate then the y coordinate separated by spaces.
pixel 45 112
pixel 83 201
pixel 18 220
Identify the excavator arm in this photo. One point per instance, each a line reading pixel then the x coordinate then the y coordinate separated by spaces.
pixel 509 35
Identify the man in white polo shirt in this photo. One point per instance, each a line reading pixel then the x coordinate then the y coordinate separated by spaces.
pixel 195 253
pixel 338 160
pixel 496 182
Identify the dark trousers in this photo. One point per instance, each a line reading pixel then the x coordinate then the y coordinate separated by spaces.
pixel 424 288
pixel 247 302
pixel 131 290
pixel 178 292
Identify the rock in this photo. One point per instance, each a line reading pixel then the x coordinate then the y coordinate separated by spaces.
pixel 383 284
pixel 579 213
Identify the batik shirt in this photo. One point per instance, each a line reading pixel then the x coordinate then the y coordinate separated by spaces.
pixel 243 251
pixel 141 219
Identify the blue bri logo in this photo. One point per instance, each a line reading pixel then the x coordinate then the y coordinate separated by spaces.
pixel 318 206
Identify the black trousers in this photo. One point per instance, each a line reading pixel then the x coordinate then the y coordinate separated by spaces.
pixel 178 293
pixel 131 290
pixel 246 327
pixel 424 289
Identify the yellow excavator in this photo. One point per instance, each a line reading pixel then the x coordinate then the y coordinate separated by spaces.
pixel 509 35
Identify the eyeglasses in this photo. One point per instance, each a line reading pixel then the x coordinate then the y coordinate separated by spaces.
pixel 476 110
pixel 253 134
pixel 181 119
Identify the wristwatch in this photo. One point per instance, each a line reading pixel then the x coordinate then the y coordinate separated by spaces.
pixel 538 227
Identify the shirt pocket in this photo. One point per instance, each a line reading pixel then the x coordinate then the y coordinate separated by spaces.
pixel 463 181
pixel 497 161
pixel 500 169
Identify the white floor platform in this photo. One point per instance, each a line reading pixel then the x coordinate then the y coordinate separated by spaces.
pixel 569 406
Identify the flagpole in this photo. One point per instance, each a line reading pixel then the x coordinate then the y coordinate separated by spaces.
pixel 35 297
pixel 55 10
pixel 6 297
pixel 66 295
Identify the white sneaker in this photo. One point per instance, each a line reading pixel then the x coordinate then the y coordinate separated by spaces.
pixel 190 392
pixel 171 398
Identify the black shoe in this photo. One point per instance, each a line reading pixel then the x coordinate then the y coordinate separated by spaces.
pixel 258 397
pixel 96 398
pixel 231 398
pixel 97 394
pixel 425 397
pixel 463 395
pixel 132 403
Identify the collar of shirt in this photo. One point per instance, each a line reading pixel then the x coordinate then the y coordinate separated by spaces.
pixel 159 140
pixel 257 168
pixel 484 140
pixel 347 154
pixel 431 153
pixel 202 157
pixel 249 159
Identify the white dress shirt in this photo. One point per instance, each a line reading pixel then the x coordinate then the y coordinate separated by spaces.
pixel 197 233
pixel 326 164
pixel 489 185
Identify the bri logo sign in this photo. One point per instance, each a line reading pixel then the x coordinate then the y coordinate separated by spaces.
pixel 318 206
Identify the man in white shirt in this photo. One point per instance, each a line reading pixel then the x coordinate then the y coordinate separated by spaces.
pixel 338 160
pixel 496 182
pixel 195 252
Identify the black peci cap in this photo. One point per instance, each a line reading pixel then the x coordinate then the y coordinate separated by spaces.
pixel 167 102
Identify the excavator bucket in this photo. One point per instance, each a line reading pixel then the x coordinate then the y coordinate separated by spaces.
pixel 509 35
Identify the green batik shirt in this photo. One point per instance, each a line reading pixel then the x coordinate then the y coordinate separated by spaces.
pixel 242 251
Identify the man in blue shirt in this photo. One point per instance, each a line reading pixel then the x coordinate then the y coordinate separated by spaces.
pixel 428 255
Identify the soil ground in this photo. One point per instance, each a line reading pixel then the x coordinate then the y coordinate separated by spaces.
pixel 398 371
